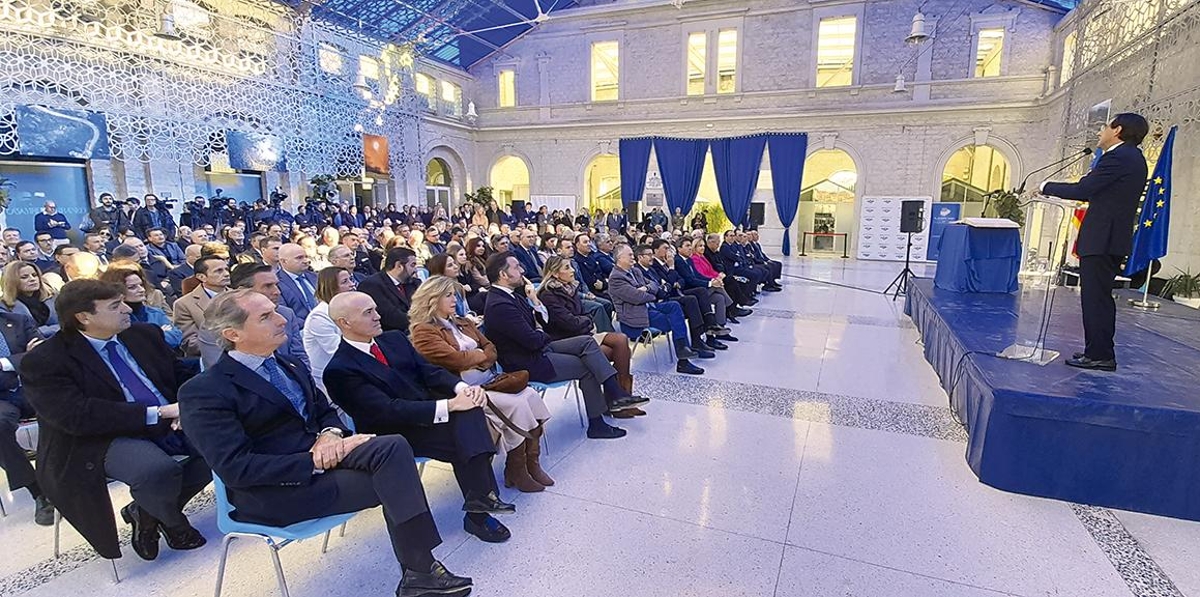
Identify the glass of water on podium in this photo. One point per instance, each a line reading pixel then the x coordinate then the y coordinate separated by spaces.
pixel 1046 230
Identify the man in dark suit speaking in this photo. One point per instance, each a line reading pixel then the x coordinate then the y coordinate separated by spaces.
pixel 284 454
pixel 1112 189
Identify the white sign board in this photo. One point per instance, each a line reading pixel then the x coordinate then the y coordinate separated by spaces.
pixel 879 236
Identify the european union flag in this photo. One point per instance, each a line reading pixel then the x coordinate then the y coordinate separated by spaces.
pixel 1154 219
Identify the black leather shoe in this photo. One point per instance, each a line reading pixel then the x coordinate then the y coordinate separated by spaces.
pixel 740 312
pixel 718 330
pixel 685 353
pixel 715 344
pixel 727 338
pixel 731 319
pixel 145 531
pixel 1078 355
pixel 627 403
pixel 43 513
pixel 751 302
pixel 1087 363
pixel 604 431
pixel 773 289
pixel 438 581
pixel 182 538
pixel 489 531
pixel 686 366
pixel 706 354
pixel 488 504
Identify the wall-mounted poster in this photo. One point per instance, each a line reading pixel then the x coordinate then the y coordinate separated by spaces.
pixel 375 153
pixel 255 151
pixel 53 132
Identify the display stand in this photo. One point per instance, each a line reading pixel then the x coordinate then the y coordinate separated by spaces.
pixel 1044 243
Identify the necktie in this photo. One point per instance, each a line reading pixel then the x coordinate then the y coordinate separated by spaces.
pixel 302 282
pixel 378 354
pixel 5 349
pixel 400 290
pixel 276 375
pixel 141 393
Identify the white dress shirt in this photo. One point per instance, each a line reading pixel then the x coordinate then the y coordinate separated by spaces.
pixel 321 338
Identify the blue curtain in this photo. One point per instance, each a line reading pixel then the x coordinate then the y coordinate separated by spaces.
pixel 681 162
pixel 737 162
pixel 635 160
pixel 788 151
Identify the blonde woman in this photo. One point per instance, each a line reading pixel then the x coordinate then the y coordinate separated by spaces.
pixel 455 344
pixel 26 293
pixel 416 242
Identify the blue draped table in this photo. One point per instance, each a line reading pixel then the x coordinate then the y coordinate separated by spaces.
pixel 978 259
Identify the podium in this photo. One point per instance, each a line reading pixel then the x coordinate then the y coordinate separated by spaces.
pixel 1045 236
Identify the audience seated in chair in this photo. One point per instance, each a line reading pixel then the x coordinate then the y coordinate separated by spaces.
pixel 565 318
pixel 455 344
pixel 638 308
pixel 188 312
pixel 521 345
pixel 285 456
pixel 386 387
pixel 18 333
pixel 105 393
pixel 392 288
pixel 321 336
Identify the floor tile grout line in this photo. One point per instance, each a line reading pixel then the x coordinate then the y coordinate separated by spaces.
pixel 792 511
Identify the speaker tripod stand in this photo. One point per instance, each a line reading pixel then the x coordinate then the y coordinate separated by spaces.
pixel 902 279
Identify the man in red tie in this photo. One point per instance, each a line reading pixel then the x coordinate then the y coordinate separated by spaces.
pixel 387 388
pixel 392 288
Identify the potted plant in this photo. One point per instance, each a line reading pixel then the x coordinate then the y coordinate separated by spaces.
pixel 482 196
pixel 1006 204
pixel 1184 288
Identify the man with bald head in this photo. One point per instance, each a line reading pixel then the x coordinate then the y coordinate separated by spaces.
pixel 387 388
pixel 81 265
pixel 297 282
pixel 184 270
pixel 285 456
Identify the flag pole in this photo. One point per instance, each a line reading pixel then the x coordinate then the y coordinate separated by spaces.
pixel 1145 304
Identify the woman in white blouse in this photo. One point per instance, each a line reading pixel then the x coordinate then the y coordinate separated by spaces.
pixel 321 334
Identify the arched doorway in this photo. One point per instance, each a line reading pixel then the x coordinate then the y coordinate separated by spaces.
pixel 602 182
pixel 437 183
pixel 510 180
pixel 971 173
pixel 827 194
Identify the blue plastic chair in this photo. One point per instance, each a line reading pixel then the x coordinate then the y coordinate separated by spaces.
pixel 645 337
pixel 571 385
pixel 274 537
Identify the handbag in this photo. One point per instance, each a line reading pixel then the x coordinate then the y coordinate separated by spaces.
pixel 509 382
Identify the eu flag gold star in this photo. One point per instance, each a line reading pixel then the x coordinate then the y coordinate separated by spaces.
pixel 1158 180
pixel 1160 203
pixel 1149 223
pixel 1162 191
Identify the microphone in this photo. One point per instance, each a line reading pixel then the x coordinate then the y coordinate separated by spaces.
pixel 1070 158
pixel 1069 164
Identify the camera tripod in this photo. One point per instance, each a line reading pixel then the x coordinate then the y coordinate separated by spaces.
pixel 902 279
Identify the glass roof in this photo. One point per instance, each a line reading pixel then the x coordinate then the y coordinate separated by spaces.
pixel 458 32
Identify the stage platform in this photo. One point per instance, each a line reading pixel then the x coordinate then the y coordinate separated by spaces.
pixel 1127 440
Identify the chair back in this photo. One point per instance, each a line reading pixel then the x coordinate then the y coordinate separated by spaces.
pixel 631 332
pixel 224 508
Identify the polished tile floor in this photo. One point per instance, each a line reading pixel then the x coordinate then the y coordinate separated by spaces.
pixel 816 458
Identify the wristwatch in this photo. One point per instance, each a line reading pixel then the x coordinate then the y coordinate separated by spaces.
pixel 332 430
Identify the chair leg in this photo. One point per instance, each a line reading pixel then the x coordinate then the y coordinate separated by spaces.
pixel 342 533
pixel 283 590
pixel 116 575
pixel 325 541
pixel 3 511
pixel 225 543
pixel 574 387
pixel 57 525
pixel 420 470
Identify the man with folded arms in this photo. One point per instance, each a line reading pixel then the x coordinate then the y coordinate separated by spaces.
pixel 285 456
pixel 386 387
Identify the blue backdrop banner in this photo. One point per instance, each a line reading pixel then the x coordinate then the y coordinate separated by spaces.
pixel 943 214
pixel 681 163
pixel 737 162
pixel 635 160
pixel 787 152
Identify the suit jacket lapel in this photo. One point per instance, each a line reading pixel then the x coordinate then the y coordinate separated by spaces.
pixel 81 350
pixel 367 363
pixel 251 380
pixel 142 355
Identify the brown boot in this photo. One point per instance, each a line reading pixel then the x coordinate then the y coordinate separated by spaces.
pixel 515 473
pixel 533 452
pixel 626 382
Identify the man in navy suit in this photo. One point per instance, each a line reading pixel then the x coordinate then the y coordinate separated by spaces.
pixel 392 288
pixel 588 266
pixel 379 379
pixel 528 257
pixel 1113 190
pixel 521 345
pixel 297 283
pixel 18 333
pixel 285 456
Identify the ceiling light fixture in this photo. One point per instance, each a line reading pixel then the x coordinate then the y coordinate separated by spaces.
pixel 166 28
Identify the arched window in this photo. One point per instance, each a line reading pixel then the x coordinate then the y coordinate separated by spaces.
pixel 603 183
pixel 510 180
pixel 437 173
pixel 830 176
pixel 972 172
